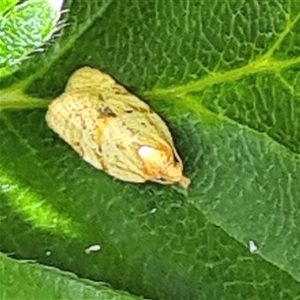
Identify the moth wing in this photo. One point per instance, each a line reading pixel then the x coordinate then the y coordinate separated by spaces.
pixel 163 131
pixel 75 117
pixel 87 78
pixel 119 149
pixel 130 104
pixel 126 104
pixel 156 127
pixel 122 139
pixel 119 169
pixel 161 128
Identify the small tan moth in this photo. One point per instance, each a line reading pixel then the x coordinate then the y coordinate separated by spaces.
pixel 114 130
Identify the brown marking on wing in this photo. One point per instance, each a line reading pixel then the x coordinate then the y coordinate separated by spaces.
pixel 106 112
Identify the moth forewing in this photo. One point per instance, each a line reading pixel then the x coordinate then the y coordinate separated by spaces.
pixel 90 80
pixel 114 130
pixel 73 116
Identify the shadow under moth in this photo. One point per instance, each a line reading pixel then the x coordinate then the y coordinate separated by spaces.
pixel 114 130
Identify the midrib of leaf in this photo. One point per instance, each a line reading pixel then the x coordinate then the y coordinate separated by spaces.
pixel 15 98
pixel 260 65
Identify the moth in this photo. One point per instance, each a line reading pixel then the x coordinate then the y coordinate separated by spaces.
pixel 115 131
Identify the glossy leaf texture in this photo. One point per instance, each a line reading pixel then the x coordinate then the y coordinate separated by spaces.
pixel 225 75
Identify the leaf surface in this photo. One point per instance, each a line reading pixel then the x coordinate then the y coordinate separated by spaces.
pixel 24 278
pixel 226 78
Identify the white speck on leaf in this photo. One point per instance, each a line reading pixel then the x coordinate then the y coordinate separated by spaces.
pixel 153 210
pixel 252 246
pixel 92 248
pixel 5 187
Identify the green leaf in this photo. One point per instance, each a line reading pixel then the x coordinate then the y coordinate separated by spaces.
pixel 225 76
pixel 25 29
pixel 6 5
pixel 21 279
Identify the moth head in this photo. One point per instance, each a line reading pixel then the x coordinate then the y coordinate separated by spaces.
pixel 161 165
